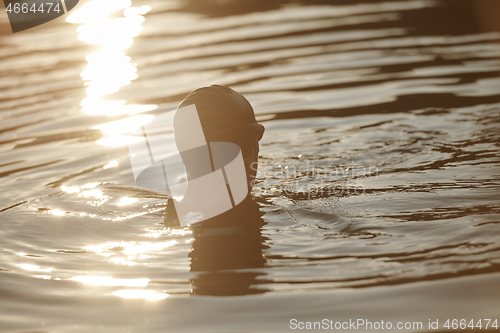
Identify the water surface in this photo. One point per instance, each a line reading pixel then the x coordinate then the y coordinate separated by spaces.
pixel 379 170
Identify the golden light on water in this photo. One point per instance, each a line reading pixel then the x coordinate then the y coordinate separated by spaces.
pixel 111 164
pixel 86 191
pixel 123 253
pixel 122 218
pixel 93 193
pixel 36 268
pixel 118 140
pixel 146 247
pixel 122 261
pixel 126 125
pixel 145 294
pixel 97 9
pixel 97 194
pixel 90 185
pixel 127 201
pixel 70 189
pixel 129 248
pixel 109 281
pixel 109 68
pixel 155 233
pixel 97 105
pixel 116 65
pixel 77 189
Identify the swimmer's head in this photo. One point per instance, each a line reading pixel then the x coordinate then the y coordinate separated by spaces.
pixel 227 116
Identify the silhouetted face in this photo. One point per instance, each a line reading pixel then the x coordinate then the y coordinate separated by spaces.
pixel 218 128
pixel 227 116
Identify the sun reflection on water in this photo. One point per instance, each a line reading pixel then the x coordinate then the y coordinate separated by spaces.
pixel 109 281
pixel 146 294
pixel 124 252
pixel 126 125
pixel 111 164
pixel 127 201
pixel 77 189
pixel 129 248
pixel 36 268
pixel 109 68
pixel 154 233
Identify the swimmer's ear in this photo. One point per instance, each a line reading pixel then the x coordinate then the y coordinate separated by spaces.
pixel 260 131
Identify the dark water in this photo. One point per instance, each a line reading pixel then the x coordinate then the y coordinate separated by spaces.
pixel 378 183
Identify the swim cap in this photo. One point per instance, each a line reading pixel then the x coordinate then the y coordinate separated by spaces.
pixel 222 100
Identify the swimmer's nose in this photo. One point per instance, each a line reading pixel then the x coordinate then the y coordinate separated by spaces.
pixel 260 131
